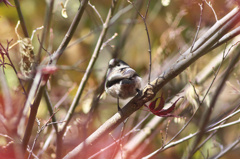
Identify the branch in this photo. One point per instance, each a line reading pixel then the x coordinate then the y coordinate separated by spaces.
pixel 212 31
pixel 32 116
pixel 199 24
pixel 149 43
pixel 22 21
pixel 38 76
pixel 41 129
pixel 150 90
pixel 50 108
pixel 172 144
pixel 206 117
pixel 89 68
pixel 69 34
pixel 226 38
pixel 47 22
pixel 228 148
pixel 11 64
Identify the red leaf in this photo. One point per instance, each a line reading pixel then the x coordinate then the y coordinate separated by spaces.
pixel 152 105
pixel 165 112
pixel 162 112
pixel 161 104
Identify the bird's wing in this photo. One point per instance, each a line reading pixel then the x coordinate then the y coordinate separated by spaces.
pixel 126 73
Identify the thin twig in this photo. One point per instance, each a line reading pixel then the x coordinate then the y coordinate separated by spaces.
pixel 45 32
pixel 212 104
pixel 199 25
pixel 162 148
pixel 98 14
pixel 150 90
pixel 195 91
pixel 110 39
pixel 121 140
pixel 21 18
pixel 146 28
pixel 210 5
pixel 11 63
pixel 172 144
pixel 200 78
pixel 69 34
pixel 131 131
pixel 38 76
pixel 228 148
pixel 32 116
pixel 65 96
pixel 117 145
pixel 215 131
pixel 89 68
pixel 50 108
pixel 34 31
pixel 211 33
pixel 40 130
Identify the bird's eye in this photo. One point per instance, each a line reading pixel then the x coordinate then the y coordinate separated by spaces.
pixel 118 64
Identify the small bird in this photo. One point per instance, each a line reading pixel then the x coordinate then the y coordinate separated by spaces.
pixel 122 81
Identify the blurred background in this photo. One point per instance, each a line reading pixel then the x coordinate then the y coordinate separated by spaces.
pixel 172 25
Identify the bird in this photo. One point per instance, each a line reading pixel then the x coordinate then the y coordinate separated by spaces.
pixel 122 81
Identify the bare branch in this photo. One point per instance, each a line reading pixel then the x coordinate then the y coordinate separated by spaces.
pixel 89 68
pixel 98 14
pixel 149 43
pixel 206 117
pixel 149 92
pixel 199 24
pixel 210 5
